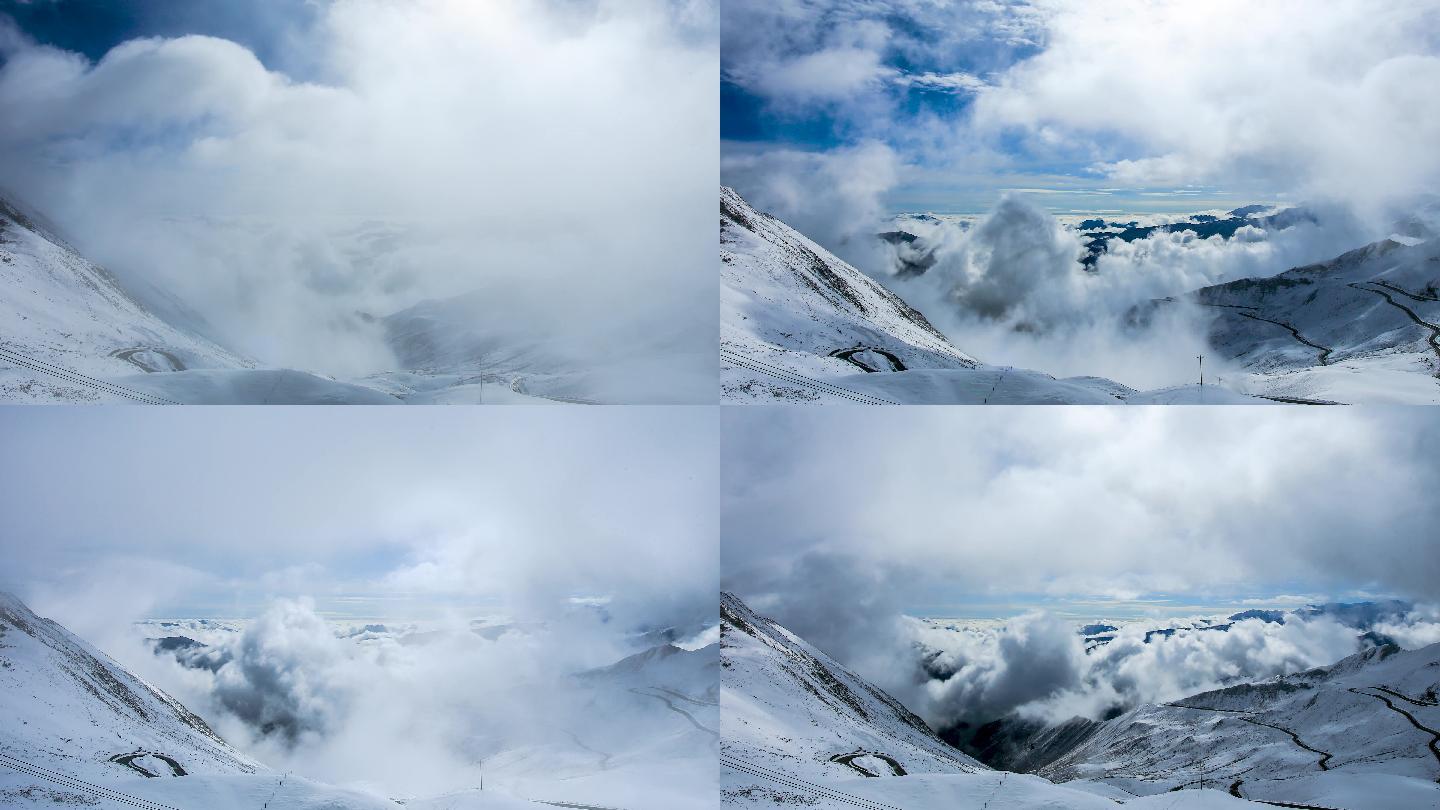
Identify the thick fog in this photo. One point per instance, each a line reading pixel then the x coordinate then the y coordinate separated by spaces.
pixel 856 525
pixel 556 159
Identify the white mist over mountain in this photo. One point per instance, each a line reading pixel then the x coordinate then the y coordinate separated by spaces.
pixel 554 159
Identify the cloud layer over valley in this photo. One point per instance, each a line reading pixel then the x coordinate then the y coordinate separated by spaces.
pixel 1042 523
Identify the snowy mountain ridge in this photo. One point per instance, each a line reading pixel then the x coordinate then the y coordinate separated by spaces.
pixel 1362 327
pixel 1339 736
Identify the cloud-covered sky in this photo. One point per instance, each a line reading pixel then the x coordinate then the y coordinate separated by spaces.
pixel 1134 105
pixel 116 514
pixel 292 174
pixel 1088 506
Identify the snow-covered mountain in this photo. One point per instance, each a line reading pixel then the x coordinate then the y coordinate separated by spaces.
pixel 71 332
pixel 58 308
pixel 1360 733
pixel 798 324
pixel 1361 328
pixel 799 729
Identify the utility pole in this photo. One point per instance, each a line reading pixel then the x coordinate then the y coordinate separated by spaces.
pixel 482 774
pixel 1201 358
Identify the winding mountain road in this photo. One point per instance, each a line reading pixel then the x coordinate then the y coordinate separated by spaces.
pixel 604 757
pixel 1325 756
pixel 136 357
pixel 680 712
pixel 849 761
pixel 1434 742
pixel 1324 351
pixel 848 355
pixel 1433 340
pixel 1243 716
pixel 1412 701
pixel 1413 296
pixel 128 760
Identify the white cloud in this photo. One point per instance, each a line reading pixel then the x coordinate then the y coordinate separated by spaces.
pixel 556 159
pixel 1081 501
pixel 1329 101
pixel 834 197
pixel 112 518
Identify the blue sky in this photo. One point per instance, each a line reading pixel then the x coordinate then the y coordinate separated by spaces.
pixel 1129 105
pixel 93 27
pixel 929 61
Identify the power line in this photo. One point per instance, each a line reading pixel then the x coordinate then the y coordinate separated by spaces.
pixel 43 367
pixel 788 375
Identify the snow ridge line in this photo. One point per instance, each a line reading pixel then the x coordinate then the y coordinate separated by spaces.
pixel 30 769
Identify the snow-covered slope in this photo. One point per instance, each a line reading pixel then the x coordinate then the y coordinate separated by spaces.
pixel 71 705
pixel 1360 733
pixel 77 729
pixel 798 324
pixel 777 687
pixel 59 308
pixel 800 729
pixel 1362 328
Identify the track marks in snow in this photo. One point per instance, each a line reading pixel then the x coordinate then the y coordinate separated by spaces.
pixel 995 792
